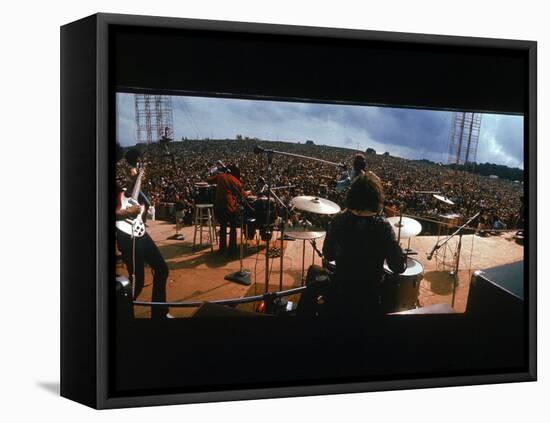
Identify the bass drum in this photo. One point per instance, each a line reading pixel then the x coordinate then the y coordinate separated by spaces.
pixel 401 291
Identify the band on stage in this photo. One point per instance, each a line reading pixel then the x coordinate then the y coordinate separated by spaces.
pixel 361 252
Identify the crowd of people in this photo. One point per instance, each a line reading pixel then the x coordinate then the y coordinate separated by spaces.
pixel 173 169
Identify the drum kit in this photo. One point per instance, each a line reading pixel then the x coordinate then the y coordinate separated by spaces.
pixel 264 212
pixel 304 230
pixel 406 285
pixel 298 227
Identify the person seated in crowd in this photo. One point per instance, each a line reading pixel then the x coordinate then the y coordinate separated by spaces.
pixel 497 223
pixel 403 179
pixel 390 210
pixel 359 240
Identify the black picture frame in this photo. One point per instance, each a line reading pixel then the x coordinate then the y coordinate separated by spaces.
pixel 471 74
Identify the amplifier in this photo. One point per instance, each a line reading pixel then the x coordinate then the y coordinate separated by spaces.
pixel 497 290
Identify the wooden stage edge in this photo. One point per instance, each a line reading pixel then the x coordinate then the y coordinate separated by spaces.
pixel 198 275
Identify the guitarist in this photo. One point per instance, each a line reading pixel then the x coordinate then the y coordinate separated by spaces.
pixel 136 251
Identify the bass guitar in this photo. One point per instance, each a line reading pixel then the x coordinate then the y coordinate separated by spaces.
pixel 134 227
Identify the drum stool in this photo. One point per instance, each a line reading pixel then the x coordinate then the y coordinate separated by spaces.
pixel 204 219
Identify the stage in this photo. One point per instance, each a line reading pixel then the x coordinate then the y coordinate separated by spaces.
pixel 199 275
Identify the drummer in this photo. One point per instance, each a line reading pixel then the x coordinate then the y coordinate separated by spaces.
pixel 359 240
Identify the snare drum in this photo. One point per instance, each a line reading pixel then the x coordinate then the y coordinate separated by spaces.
pixel 401 291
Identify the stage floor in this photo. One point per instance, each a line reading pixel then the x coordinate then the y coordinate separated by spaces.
pixel 199 275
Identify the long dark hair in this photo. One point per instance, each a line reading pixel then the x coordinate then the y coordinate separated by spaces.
pixel 366 193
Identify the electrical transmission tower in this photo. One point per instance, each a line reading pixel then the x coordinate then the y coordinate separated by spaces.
pixel 154 117
pixel 464 138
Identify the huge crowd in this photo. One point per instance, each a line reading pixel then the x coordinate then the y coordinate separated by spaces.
pixel 173 169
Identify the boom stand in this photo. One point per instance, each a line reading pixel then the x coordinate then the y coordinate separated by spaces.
pixel 267 220
pixel 270 153
pixel 438 245
pixel 242 276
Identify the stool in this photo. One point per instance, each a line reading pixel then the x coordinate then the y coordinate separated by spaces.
pixel 204 216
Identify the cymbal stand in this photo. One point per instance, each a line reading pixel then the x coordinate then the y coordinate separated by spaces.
pixel 269 154
pixel 407 250
pixel 282 230
pixel 313 243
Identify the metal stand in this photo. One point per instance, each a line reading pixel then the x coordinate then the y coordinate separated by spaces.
pixel 438 245
pixel 242 276
pixel 177 236
pixel 282 224
pixel 303 260
pixel 455 275
pixel 268 215
pixel 270 153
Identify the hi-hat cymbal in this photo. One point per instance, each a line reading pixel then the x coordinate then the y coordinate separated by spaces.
pixel 307 235
pixel 315 205
pixel 304 230
pixel 409 227
pixel 444 199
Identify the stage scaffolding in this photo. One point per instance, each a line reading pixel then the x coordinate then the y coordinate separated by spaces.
pixel 463 139
pixel 154 117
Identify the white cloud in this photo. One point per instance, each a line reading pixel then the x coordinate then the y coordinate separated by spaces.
pixel 408 133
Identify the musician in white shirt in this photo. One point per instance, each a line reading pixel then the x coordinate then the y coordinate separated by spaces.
pixel 139 250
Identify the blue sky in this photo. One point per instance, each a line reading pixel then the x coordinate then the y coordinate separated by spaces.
pixel 408 133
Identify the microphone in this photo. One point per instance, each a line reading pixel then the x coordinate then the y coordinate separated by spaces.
pixel 431 253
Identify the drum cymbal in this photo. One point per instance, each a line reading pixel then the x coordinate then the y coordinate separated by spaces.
pixel 307 235
pixel 409 227
pixel 304 231
pixel 443 199
pixel 315 205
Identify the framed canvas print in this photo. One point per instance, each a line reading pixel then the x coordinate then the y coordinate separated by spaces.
pixel 255 211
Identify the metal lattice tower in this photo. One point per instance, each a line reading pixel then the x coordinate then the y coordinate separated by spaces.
pixel 463 139
pixel 154 117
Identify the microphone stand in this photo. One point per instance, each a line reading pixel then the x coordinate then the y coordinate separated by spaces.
pixel 268 216
pixel 259 150
pixel 438 245
pixel 269 154
pixel 242 276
